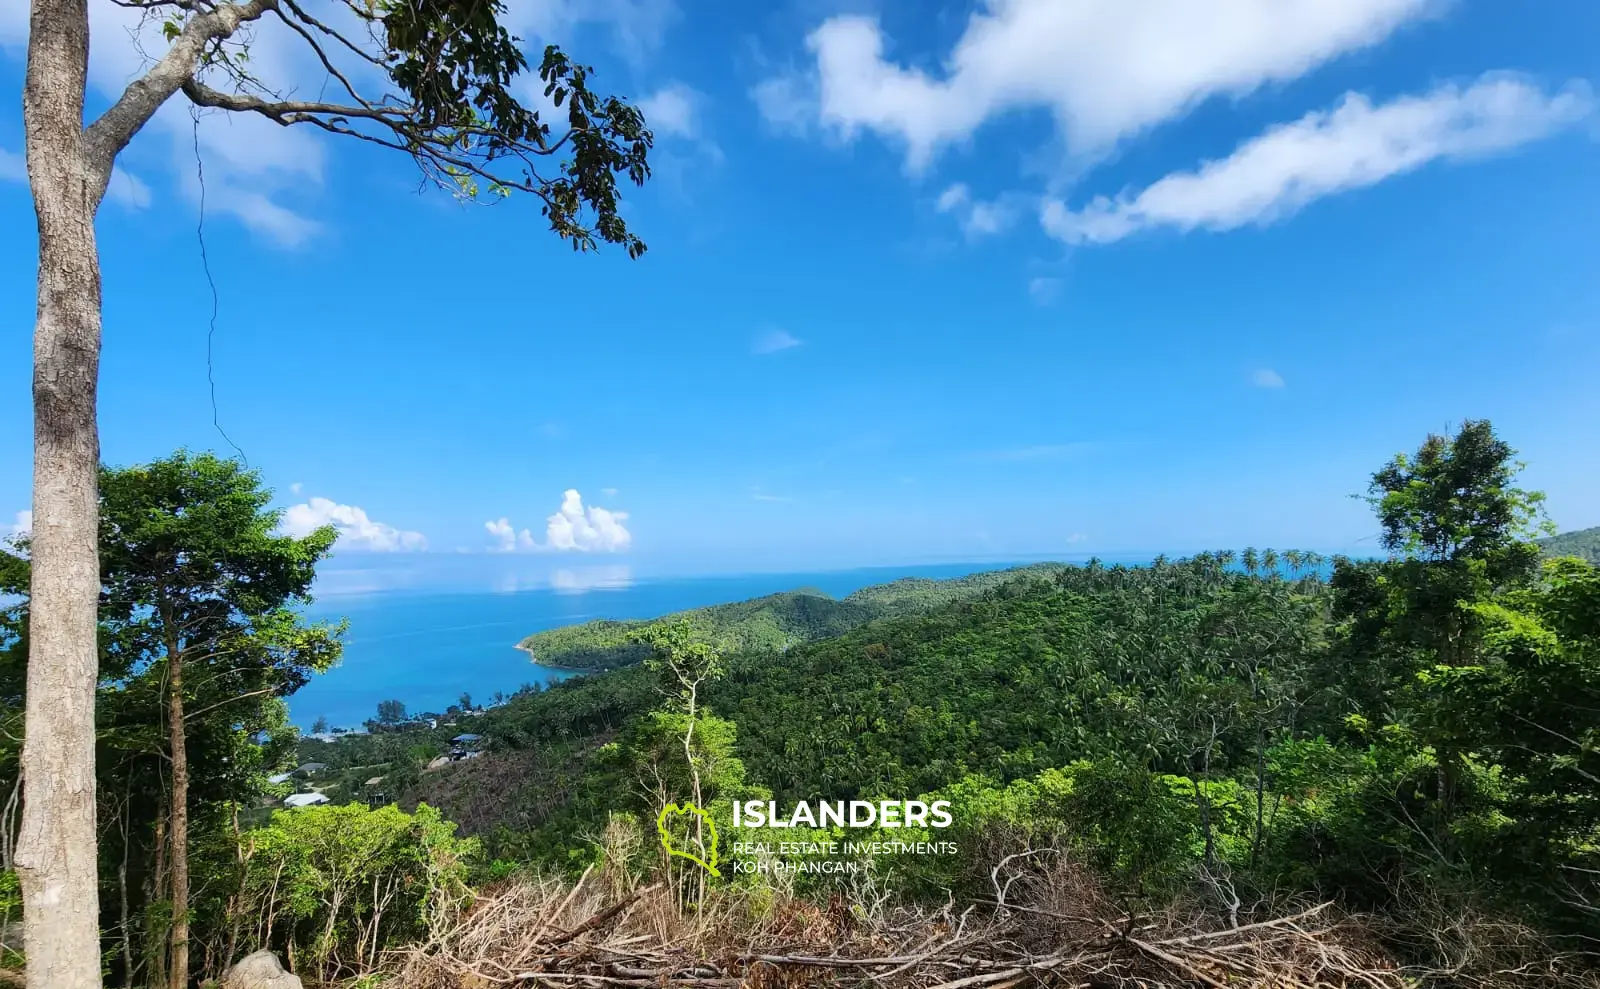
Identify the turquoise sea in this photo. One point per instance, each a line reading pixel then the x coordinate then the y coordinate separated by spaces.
pixel 424 631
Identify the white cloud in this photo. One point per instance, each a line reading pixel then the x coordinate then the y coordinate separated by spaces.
pixel 976 217
pixel 609 492
pixel 1266 378
pixel 574 527
pixel 787 103
pixel 1353 146
pixel 772 341
pixel 591 529
pixel 1043 290
pixel 356 530
pixel 671 111
pixel 1106 69
pixel 22 528
pixel 953 198
pixel 294 488
pixel 507 538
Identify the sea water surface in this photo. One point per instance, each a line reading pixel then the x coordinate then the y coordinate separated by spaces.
pixel 428 633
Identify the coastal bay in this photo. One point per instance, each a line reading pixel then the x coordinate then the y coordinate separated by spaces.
pixel 427 645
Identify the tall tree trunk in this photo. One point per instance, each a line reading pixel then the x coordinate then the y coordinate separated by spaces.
pixel 178 975
pixel 157 940
pixel 56 858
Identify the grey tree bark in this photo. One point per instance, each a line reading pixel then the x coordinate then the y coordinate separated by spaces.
pixel 68 168
pixel 56 859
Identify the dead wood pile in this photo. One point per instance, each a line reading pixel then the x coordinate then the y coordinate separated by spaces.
pixel 1063 935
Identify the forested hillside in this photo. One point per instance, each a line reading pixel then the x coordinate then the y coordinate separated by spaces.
pixel 771 623
pixel 1582 543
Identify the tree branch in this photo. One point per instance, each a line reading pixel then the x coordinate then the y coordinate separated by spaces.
pixel 107 136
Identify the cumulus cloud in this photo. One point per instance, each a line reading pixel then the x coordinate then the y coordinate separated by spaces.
pixel 1266 378
pixel 507 538
pixel 586 529
pixel 356 530
pixel 575 527
pixel 1355 145
pixel 773 341
pixel 1106 69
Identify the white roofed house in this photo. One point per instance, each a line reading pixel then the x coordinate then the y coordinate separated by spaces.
pixel 304 799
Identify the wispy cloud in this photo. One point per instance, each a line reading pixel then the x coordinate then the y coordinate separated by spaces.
pixel 1353 146
pixel 1266 378
pixel 977 217
pixel 1045 451
pixel 1044 291
pixel 125 189
pixel 759 494
pixel 774 341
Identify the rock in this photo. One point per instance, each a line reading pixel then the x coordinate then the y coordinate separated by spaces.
pixel 260 971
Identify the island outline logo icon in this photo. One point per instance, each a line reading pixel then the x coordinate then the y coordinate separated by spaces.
pixel 709 863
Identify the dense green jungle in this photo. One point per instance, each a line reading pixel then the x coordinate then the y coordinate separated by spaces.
pixel 1410 742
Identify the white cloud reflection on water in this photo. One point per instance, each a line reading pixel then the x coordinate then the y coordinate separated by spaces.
pixel 365 575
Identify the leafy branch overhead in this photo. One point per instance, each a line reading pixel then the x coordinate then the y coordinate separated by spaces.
pixel 436 79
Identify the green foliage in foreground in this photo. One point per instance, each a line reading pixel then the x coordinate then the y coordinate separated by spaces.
pixel 332 886
pixel 766 624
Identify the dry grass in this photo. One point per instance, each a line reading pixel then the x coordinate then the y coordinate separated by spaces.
pixel 1048 924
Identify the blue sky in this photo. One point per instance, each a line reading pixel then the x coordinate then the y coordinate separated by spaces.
pixel 924 282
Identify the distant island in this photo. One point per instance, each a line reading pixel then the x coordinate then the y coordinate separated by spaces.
pixel 771 623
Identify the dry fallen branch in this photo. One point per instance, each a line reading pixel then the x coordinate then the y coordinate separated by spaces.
pixel 511 937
